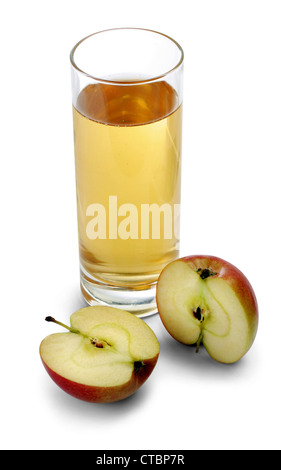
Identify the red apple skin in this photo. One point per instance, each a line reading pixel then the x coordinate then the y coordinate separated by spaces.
pixel 104 394
pixel 234 277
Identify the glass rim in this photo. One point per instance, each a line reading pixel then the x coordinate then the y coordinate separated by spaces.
pixel 131 82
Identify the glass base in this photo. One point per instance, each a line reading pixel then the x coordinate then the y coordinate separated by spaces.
pixel 141 301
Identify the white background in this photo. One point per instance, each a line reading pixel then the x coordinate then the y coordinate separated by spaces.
pixel 230 208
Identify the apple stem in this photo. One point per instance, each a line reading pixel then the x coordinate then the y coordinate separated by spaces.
pixel 199 342
pixel 72 330
pixel 96 342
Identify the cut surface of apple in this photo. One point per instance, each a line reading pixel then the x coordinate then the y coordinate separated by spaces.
pixel 106 355
pixel 205 299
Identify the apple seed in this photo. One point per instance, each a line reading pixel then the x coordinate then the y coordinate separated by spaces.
pixel 97 343
pixel 197 314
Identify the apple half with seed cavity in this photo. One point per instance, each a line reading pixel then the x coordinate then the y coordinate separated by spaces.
pixel 106 355
pixel 205 299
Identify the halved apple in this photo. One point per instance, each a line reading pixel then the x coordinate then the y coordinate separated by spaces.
pixel 205 299
pixel 106 355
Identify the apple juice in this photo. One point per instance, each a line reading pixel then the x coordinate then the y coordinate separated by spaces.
pixel 127 140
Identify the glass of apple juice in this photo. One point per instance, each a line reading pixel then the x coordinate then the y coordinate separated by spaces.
pixel 127 117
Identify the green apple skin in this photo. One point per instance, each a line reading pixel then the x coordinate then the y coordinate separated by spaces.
pixel 94 394
pixel 238 283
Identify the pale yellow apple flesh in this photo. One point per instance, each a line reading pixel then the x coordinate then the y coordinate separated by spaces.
pixel 107 352
pixel 222 323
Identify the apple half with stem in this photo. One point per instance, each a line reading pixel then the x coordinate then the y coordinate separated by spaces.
pixel 205 299
pixel 105 356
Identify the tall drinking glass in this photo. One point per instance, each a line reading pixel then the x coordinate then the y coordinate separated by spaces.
pixel 127 116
